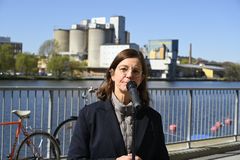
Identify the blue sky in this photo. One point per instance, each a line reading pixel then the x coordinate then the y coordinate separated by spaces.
pixel 212 26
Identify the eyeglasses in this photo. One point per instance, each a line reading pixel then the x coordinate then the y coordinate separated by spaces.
pixel 136 72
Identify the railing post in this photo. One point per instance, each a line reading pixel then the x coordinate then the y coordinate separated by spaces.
pixel 189 125
pixel 236 116
pixel 2 120
pixel 50 116
pixel 50 110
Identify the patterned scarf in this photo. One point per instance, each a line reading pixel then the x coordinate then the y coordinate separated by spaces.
pixel 124 115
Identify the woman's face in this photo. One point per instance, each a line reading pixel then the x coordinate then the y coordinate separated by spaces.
pixel 130 69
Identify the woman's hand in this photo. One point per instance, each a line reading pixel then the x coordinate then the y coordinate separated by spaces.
pixel 128 157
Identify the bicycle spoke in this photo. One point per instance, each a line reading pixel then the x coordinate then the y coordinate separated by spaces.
pixel 64 133
pixel 38 146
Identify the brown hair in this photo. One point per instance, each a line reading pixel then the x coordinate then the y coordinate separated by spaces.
pixel 106 88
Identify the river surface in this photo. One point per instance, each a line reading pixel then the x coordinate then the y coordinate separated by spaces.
pixel 96 83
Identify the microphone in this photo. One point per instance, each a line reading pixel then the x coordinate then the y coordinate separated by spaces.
pixel 132 89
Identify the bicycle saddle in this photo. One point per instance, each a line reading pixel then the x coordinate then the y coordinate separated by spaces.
pixel 22 113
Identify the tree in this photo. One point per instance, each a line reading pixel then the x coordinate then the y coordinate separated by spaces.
pixel 76 66
pixel 73 65
pixel 7 60
pixel 232 71
pixel 58 64
pixel 185 60
pixel 48 48
pixel 26 63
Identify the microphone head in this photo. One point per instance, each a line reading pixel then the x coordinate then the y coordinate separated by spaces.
pixel 131 84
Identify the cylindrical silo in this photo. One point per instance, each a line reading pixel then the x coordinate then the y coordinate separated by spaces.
pixel 62 38
pixel 96 37
pixel 78 41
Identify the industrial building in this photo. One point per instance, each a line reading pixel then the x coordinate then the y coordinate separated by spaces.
pixel 200 71
pixel 85 39
pixel 17 47
pixel 99 41
pixel 162 57
pixel 108 52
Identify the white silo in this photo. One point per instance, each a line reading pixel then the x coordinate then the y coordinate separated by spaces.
pixel 62 38
pixel 96 37
pixel 78 41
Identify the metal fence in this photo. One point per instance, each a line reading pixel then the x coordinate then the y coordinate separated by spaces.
pixel 189 114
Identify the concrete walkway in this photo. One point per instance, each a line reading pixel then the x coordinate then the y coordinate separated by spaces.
pixel 227 151
pixel 232 155
pixel 205 150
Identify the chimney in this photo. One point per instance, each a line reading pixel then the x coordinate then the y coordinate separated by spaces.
pixel 190 54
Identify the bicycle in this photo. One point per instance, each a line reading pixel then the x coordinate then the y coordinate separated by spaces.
pixel 64 130
pixel 35 145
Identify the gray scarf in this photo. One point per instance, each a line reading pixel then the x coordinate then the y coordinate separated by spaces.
pixel 124 115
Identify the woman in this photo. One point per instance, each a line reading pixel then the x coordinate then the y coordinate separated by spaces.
pixel 104 128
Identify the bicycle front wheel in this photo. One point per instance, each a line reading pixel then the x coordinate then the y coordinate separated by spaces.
pixel 38 145
pixel 63 134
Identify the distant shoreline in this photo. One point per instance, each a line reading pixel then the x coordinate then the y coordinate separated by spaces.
pixel 98 78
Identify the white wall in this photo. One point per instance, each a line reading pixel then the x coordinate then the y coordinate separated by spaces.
pixel 109 52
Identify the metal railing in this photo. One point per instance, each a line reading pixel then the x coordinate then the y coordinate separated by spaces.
pixel 188 114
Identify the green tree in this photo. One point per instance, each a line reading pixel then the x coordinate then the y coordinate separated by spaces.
pixel 73 65
pixel 185 60
pixel 58 64
pixel 76 66
pixel 232 71
pixel 48 48
pixel 26 63
pixel 7 60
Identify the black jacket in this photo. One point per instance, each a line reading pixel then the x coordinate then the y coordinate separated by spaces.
pixel 97 134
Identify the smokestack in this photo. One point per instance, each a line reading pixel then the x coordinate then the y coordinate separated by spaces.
pixel 162 51
pixel 190 54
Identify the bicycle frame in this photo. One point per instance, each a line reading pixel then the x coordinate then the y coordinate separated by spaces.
pixel 18 131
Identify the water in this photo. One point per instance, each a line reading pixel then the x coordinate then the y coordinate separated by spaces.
pixel 96 83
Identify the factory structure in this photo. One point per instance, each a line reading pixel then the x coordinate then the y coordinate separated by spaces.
pixel 94 39
pixel 162 57
pixel 17 46
pixel 99 41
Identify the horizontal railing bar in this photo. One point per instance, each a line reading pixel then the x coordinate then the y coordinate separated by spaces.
pixel 41 87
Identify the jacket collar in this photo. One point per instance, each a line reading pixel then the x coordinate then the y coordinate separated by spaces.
pixel 114 131
pixel 113 127
pixel 142 122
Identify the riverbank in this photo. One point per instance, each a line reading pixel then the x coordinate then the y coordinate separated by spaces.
pixel 10 77
pixel 96 83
